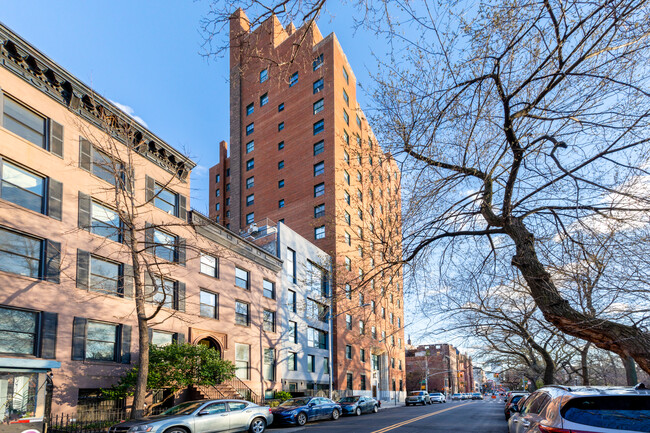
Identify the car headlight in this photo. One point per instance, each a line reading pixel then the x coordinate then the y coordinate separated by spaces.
pixel 140 428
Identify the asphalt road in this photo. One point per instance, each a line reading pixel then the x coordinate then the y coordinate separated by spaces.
pixel 454 417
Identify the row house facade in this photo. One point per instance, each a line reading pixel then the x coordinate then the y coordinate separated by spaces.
pixel 438 368
pixel 85 194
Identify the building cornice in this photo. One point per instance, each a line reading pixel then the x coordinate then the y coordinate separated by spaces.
pixel 25 61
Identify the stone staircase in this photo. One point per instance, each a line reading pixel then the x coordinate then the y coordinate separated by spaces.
pixel 222 390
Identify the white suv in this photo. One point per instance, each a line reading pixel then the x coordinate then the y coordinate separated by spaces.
pixel 438 397
pixel 562 409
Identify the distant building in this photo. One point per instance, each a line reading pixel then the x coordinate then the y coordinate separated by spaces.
pixel 438 368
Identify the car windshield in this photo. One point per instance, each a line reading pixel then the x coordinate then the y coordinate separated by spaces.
pixel 614 412
pixel 295 402
pixel 183 408
pixel 349 399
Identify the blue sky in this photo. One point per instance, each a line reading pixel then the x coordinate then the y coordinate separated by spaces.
pixel 145 55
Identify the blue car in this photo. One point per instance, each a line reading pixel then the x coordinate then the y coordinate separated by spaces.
pixel 356 405
pixel 301 410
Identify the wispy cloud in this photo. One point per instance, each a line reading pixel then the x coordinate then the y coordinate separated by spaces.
pixel 201 170
pixel 131 112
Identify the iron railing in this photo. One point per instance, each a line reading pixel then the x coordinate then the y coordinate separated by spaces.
pixel 244 390
pixel 91 421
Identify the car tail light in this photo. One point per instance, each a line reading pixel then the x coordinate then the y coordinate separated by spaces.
pixel 545 429
pixel 270 411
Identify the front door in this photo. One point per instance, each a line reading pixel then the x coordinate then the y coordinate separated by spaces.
pixel 215 419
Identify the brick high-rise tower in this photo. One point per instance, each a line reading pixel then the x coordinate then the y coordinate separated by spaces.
pixel 303 153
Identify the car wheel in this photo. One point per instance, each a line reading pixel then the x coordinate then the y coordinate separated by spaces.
pixel 257 426
pixel 358 411
pixel 336 414
pixel 407 404
pixel 301 419
pixel 375 409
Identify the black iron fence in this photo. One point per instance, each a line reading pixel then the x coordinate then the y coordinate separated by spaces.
pixel 95 421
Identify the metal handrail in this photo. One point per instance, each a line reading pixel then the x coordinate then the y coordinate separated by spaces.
pixel 242 389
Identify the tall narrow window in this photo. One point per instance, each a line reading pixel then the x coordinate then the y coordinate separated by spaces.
pixel 264 99
pixel 319 126
pixel 319 189
pixel 242 313
pixel 319 210
pixel 242 361
pixel 318 62
pixel 291 265
pixel 345 75
pixel 250 128
pixel 268 289
pixel 293 80
pixel 319 232
pixel 264 75
pixel 319 147
pixel 24 122
pixel 250 146
pixel 319 168
pixel 209 304
pixel 242 278
pixel 318 86
pixel 346 98
pixel 318 106
pixel 22 187
pixel 250 108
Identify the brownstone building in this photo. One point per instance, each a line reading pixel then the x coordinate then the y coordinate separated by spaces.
pixel 66 275
pixel 303 153
pixel 438 368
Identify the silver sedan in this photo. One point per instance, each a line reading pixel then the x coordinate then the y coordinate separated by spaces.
pixel 202 416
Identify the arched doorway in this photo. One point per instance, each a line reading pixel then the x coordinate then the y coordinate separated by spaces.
pixel 211 343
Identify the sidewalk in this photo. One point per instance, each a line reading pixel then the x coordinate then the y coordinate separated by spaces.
pixel 392 404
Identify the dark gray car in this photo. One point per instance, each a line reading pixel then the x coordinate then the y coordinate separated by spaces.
pixel 202 416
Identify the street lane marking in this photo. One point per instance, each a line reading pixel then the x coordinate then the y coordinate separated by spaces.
pixel 409 421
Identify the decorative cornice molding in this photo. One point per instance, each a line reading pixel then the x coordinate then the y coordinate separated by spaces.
pixel 25 61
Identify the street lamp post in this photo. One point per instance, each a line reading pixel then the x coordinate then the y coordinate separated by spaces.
pixel 329 342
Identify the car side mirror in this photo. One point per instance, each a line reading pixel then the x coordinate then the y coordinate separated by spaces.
pixel 312 404
pixel 203 412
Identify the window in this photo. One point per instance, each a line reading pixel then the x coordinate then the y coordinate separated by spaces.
pixel 165 199
pixel 242 361
pixel 319 232
pixel 250 146
pixel 24 122
pixel 346 157
pixel 281 145
pixel 293 79
pixel 264 75
pixel 291 265
pixel 349 381
pixel 383 335
pixel 250 128
pixel 399 364
pixel 390 318
pixel 281 165
pixel 399 321
pixel 293 332
pixel 319 168
pixel 163 292
pixel 281 183
pixel 217 193
pixel 319 147
pixel 359 125
pixel 348 264
pixel 311 367
pixel 346 196
pixel 319 210
pixel 347 217
pixel 358 140
pixel 383 313
pixel 346 98
pixel 250 182
pixel 318 86
pixel 161 338
pixel 363 382
pixel 362 355
pixel 280 126
pixel 345 75
pixel 164 245
pixel 250 218
pixel 319 126
pixel 250 108
pixel 360 214
pixel 104 276
pixel 268 322
pixel 281 107
pixel 346 137
pixel 242 313
pixel 101 341
pixel 348 291
pixel 346 177
pixel 22 187
pixel 348 352
pixel 373 332
pixel 103 220
pixel 217 207
pixel 348 238
pixel 250 199
pixel 359 194
pixel 316 338
pixel 250 164
pixel 18 331
pixel 318 62
pixel 318 106
pixel 264 99
pixel 292 361
pixel 348 322
pixel 281 203
pixel 326 365
pixel 268 289
pixel 359 159
pixel 292 301
pixel 242 278
pixel 361 299
pixel 217 178
pixel 269 368
pixel 319 189
pixel 209 304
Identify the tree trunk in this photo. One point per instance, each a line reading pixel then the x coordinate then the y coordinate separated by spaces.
pixel 137 409
pixel 584 364
pixel 624 340
pixel 630 370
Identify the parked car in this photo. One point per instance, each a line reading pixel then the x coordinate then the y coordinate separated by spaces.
pixel 418 397
pixel 202 416
pixel 560 409
pixel 477 396
pixel 356 405
pixel 437 397
pixel 301 410
pixel 514 398
pixel 456 396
